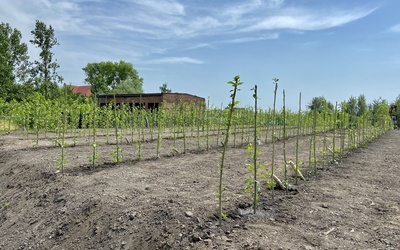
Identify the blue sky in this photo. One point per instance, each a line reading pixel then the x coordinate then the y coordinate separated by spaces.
pixel 330 48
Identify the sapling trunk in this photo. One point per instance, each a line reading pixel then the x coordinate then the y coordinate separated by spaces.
pixel 198 119
pixel 160 126
pixel 140 129
pixel 314 136
pixel 207 112
pixel 334 134
pixel 255 152
pixel 132 124
pixel 151 125
pixel 310 152
pixel 284 143
pixel 234 128
pixel 342 129
pixel 117 152
pixel 272 182
pixel 182 117
pixel 64 122
pixel 363 129
pixel 235 84
pixel 297 136
pixel 324 131
pixel 89 130
pixel 242 126
pixel 193 119
pixel 109 118
pixel 37 125
pixel 94 145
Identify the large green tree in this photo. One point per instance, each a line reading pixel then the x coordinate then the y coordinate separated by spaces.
pixel 357 106
pixel 319 103
pixel 362 106
pixel 113 77
pixel 44 70
pixel 351 106
pixel 379 109
pixel 13 61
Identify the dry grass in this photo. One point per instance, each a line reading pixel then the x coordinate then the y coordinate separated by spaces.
pixel 6 126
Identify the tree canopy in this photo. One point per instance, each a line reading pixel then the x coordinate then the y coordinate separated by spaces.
pixel 13 60
pixel 319 103
pixel 379 108
pixel 164 88
pixel 356 106
pixel 351 106
pixel 113 77
pixel 44 71
pixel 362 106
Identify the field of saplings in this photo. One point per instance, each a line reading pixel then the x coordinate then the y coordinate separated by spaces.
pixel 194 176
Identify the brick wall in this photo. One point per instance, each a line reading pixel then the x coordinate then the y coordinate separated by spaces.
pixel 155 100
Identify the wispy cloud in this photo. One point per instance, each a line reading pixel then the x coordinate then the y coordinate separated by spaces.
pixel 215 44
pixel 173 19
pixel 300 19
pixel 174 60
pixel 238 10
pixel 395 28
pixel 251 39
pixel 168 7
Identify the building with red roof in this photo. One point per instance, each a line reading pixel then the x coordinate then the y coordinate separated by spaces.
pixel 84 90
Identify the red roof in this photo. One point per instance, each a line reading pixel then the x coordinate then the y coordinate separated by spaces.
pixel 84 90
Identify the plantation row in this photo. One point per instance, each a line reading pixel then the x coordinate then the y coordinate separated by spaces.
pixel 127 133
pixel 181 128
pixel 42 115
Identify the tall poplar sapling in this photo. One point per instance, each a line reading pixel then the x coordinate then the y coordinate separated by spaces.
pixel 272 183
pixel 235 84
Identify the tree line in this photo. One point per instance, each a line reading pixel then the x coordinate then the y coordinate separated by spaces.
pixel 20 77
pixel 355 106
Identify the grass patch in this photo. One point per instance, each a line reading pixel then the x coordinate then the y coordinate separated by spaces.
pixel 7 126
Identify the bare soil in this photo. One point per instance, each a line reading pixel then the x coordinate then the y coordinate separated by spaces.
pixel 170 202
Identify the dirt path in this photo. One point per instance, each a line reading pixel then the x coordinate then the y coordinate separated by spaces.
pixel 170 203
pixel 355 205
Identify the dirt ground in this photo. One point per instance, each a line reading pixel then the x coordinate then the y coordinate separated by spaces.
pixel 170 203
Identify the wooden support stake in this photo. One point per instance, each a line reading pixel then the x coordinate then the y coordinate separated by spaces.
pixel 282 186
pixel 296 170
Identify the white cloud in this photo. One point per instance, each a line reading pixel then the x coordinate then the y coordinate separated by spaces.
pixel 252 39
pixel 215 44
pixel 171 19
pixel 238 10
pixel 174 60
pixel 168 7
pixel 299 19
pixel 395 28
